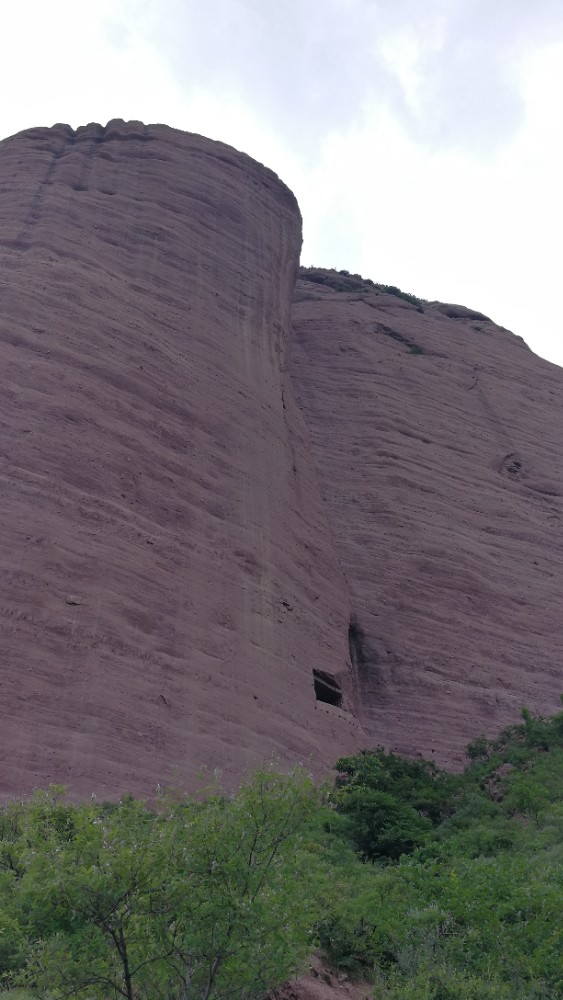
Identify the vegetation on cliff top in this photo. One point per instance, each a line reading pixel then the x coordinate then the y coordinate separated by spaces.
pixel 343 281
pixel 432 886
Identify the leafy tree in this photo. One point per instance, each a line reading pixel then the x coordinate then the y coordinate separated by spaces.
pixel 479 749
pixel 388 803
pixel 475 911
pixel 246 921
pixel 92 886
pixel 214 897
pixel 197 898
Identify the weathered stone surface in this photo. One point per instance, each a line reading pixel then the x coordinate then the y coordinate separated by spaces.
pixel 438 439
pixel 189 556
pixel 168 582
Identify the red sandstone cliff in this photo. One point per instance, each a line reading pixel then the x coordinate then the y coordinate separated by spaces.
pixel 168 582
pixel 438 439
pixel 196 569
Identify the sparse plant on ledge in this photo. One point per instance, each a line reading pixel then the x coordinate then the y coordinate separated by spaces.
pixel 343 281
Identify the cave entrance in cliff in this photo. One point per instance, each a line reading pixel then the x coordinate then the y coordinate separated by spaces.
pixel 327 689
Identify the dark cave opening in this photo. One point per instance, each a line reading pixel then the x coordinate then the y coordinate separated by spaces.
pixel 327 689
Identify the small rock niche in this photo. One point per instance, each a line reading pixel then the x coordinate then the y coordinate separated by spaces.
pixel 327 688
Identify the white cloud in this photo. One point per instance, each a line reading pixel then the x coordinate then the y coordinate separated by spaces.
pixel 421 139
pixel 64 62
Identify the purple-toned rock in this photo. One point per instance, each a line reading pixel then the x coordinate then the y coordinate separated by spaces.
pixel 168 580
pixel 225 542
pixel 438 441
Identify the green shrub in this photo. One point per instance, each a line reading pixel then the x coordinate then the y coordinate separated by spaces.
pixel 216 897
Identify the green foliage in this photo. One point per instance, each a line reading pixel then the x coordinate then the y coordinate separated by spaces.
pixel 475 911
pixel 479 749
pixel 388 803
pixel 16 995
pixel 343 281
pixel 200 898
pixel 393 290
pixel 433 886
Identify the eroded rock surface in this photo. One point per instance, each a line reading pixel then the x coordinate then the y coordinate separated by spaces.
pixel 197 569
pixel 438 440
pixel 168 581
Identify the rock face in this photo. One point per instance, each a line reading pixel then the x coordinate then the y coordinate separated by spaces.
pixel 438 440
pixel 197 569
pixel 168 580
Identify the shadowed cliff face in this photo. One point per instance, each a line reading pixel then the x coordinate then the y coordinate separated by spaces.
pixel 168 581
pixel 438 441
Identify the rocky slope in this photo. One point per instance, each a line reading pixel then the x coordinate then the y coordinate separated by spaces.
pixel 198 570
pixel 168 583
pixel 438 439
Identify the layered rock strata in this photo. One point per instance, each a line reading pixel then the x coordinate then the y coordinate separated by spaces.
pixel 438 440
pixel 224 541
pixel 170 598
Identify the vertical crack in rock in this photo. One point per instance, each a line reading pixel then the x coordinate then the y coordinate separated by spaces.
pixel 442 480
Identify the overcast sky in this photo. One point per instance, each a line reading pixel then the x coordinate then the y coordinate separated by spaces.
pixel 423 138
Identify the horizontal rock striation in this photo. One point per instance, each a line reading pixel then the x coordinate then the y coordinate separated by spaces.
pixel 217 550
pixel 438 441
pixel 168 580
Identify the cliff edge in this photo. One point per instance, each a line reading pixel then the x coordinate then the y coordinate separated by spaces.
pixel 437 436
